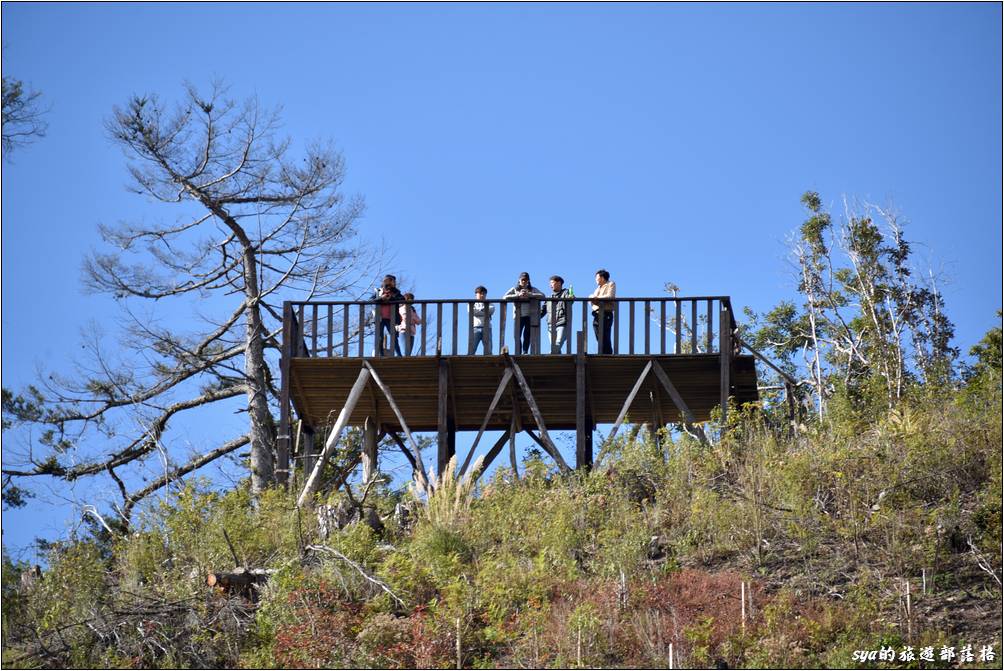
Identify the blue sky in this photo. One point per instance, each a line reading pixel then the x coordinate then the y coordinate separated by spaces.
pixel 664 142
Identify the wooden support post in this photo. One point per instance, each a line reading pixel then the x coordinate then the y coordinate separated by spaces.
pixel 308 450
pixel 583 425
pixel 446 439
pixel 283 440
pixel 314 480
pixel 513 428
pixel 369 449
pixel 725 357
pixel 535 411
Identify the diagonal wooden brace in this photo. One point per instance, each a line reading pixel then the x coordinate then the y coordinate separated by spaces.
pixel 506 376
pixel 310 487
pixel 420 467
pixel 630 399
pixel 537 416
pixel 688 416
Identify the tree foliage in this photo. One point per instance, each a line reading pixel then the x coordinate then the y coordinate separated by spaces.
pixel 866 319
pixel 255 222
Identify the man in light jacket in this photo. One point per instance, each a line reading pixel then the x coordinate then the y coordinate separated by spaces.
pixel 604 289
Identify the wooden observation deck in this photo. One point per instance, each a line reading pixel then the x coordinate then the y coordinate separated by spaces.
pixel 671 361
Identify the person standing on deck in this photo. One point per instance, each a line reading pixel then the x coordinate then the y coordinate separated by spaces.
pixel 604 289
pixel 524 309
pixel 409 323
pixel 557 313
pixel 481 323
pixel 387 315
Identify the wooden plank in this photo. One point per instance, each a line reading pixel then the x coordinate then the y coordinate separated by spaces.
pixel 584 342
pixel 627 403
pixel 506 377
pixel 535 411
pixel 424 483
pixel 313 481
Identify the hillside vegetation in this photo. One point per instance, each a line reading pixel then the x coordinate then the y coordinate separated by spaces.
pixel 826 522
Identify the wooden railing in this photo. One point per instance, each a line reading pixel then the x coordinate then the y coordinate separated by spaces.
pixel 660 325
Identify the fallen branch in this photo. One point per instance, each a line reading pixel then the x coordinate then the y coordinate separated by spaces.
pixel 379 583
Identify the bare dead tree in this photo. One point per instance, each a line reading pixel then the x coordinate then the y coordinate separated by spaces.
pixel 254 225
pixel 23 116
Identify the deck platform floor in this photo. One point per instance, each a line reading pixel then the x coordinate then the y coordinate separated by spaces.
pixel 320 386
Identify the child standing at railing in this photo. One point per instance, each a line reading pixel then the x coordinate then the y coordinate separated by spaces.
pixel 481 323
pixel 409 323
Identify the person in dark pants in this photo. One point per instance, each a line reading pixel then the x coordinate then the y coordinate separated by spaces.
pixel 524 308
pixel 604 289
pixel 481 322
pixel 388 316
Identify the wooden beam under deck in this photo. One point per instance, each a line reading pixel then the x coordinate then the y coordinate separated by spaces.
pixel 321 386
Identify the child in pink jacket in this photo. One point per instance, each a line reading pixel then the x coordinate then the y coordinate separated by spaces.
pixel 409 323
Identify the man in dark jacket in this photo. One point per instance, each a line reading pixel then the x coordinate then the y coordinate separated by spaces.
pixel 524 309
pixel 387 314
pixel 558 313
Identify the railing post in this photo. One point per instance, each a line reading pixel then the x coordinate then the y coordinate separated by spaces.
pixel 724 356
